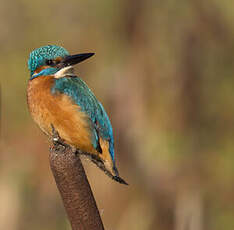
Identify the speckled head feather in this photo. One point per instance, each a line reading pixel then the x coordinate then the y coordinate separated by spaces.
pixel 38 56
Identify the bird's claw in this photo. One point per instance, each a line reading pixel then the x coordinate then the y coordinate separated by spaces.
pixel 58 143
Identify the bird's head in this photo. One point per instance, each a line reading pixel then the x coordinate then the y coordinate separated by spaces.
pixel 53 60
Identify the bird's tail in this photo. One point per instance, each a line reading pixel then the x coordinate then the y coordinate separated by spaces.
pixel 100 164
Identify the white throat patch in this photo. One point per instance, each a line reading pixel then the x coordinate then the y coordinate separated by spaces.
pixel 66 71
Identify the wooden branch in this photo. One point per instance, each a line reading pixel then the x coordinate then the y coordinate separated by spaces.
pixel 74 187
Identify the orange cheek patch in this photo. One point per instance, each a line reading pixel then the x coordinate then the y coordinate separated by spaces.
pixel 58 59
pixel 39 69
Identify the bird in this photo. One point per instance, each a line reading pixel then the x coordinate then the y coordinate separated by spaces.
pixel 60 100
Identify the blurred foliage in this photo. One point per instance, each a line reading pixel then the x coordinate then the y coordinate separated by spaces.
pixel 164 72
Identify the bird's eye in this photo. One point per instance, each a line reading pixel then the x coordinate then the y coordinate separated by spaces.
pixel 49 62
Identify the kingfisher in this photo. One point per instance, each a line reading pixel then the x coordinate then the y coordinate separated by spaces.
pixel 59 100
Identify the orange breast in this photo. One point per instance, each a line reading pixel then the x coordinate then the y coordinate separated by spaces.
pixel 67 118
pixel 58 110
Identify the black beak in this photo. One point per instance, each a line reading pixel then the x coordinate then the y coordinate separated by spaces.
pixel 75 59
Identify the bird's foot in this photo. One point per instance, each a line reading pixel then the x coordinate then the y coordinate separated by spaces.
pixel 58 144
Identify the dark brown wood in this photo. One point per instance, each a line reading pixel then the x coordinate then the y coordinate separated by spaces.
pixel 74 188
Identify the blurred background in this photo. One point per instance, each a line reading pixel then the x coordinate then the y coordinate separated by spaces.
pixel 164 72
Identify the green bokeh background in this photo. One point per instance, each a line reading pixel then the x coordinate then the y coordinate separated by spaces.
pixel 164 71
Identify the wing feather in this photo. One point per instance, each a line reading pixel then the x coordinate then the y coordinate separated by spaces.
pixel 81 95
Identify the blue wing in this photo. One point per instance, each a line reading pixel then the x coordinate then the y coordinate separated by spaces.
pixel 84 97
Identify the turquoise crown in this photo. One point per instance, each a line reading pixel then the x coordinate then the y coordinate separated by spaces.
pixel 39 56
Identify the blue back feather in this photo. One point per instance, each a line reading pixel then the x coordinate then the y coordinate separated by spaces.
pixel 100 124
